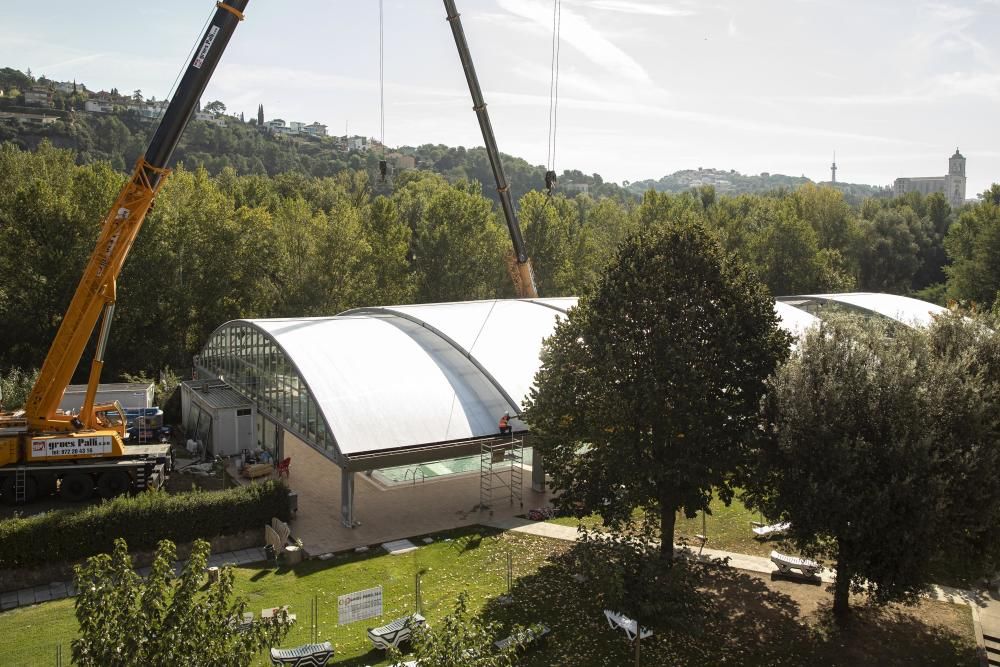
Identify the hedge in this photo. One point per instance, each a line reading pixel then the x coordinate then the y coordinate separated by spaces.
pixel 142 520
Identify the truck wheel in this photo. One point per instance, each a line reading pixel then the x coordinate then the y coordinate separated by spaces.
pixel 113 483
pixel 76 487
pixel 46 483
pixel 9 492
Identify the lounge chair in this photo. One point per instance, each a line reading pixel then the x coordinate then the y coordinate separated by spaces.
pixel 307 655
pixel 763 532
pixel 786 564
pixel 394 633
pixel 523 639
pixel 619 622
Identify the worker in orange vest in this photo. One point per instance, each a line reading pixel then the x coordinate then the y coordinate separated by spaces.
pixel 505 426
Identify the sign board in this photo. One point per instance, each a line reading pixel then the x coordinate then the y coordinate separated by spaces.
pixel 85 446
pixel 199 59
pixel 359 606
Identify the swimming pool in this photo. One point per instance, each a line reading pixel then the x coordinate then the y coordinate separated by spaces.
pixel 435 469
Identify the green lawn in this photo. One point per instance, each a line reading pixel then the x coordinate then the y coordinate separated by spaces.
pixel 744 619
pixel 470 559
pixel 728 529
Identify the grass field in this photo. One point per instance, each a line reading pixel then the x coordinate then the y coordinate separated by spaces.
pixel 744 620
pixel 727 528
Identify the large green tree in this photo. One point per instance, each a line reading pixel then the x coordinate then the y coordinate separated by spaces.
pixel 876 438
pixel 164 619
pixel 973 244
pixel 648 393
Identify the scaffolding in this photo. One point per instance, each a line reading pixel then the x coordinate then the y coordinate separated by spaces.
pixel 501 468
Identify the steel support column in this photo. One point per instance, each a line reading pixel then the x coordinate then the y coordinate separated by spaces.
pixel 347 497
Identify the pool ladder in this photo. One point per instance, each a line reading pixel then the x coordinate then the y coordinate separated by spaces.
pixel 415 470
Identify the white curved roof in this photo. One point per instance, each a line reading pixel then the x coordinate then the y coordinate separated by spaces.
pixel 912 312
pixel 395 377
pixel 794 320
pixel 402 376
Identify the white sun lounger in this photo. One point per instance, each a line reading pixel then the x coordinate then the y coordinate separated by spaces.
pixel 772 530
pixel 524 638
pixel 395 633
pixel 307 655
pixel 807 568
pixel 620 622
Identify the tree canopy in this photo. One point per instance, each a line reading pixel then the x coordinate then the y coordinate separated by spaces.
pixel 648 392
pixel 164 619
pixel 881 441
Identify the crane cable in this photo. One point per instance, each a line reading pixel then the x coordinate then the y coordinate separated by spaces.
pixel 187 63
pixel 550 174
pixel 382 166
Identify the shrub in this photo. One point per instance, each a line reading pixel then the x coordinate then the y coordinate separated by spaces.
pixel 142 521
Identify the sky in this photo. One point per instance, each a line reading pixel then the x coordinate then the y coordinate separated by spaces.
pixel 646 87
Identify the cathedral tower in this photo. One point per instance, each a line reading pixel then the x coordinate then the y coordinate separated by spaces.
pixel 955 181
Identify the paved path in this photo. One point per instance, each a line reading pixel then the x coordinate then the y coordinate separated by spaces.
pixel 985 607
pixel 61 589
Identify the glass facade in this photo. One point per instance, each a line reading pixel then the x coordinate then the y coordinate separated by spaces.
pixel 251 362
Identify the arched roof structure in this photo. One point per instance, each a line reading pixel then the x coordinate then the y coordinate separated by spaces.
pixel 381 386
pixel 903 309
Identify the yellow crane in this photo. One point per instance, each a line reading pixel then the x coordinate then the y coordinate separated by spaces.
pixel 42 450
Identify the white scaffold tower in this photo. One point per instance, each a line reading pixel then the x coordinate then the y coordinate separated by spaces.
pixel 501 471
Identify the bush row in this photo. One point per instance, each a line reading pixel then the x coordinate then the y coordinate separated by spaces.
pixel 142 520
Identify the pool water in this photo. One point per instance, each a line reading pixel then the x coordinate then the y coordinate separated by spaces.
pixel 424 471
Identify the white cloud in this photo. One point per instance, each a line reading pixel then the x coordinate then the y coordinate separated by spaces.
pixel 641 8
pixel 976 84
pixel 50 67
pixel 578 33
pixel 732 26
pixel 952 13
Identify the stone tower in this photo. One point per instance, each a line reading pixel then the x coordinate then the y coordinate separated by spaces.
pixel 955 180
pixel 833 169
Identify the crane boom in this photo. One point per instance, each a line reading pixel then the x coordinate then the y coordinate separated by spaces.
pixel 95 294
pixel 519 263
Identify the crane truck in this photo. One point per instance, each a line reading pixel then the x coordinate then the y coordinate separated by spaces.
pixel 43 451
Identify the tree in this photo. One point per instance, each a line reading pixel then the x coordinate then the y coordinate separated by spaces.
pixel 163 619
pixel 137 96
pixel 548 230
pixel 15 386
pixel 215 107
pixel 890 258
pixel 787 255
pixel 458 245
pixel 973 244
pixel 992 196
pixel 459 640
pixel 879 441
pixel 260 115
pixel 648 393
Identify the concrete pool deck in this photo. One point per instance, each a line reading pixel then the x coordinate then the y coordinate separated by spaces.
pixel 385 513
